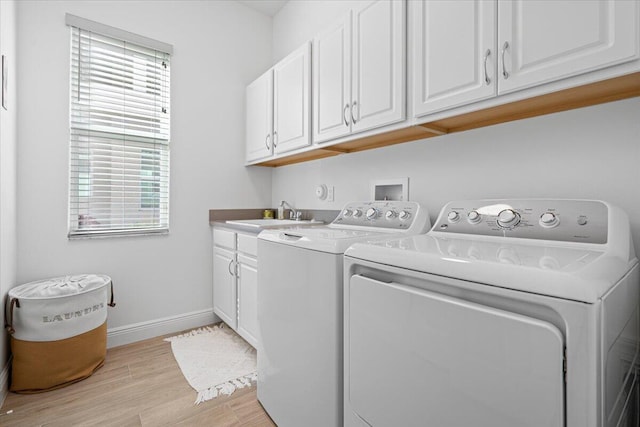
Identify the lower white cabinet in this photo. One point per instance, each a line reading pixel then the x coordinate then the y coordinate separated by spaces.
pixel 235 281
pixel 225 299
pixel 247 285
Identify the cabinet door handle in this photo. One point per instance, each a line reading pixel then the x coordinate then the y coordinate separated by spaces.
pixel 353 119
pixel 229 268
pixel 267 141
pixel 487 79
pixel 275 139
pixel 344 115
pixel 505 74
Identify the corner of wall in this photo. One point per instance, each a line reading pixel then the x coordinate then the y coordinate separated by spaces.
pixel 4 382
pixel 8 174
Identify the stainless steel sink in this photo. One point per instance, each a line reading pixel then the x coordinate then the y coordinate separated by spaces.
pixel 273 223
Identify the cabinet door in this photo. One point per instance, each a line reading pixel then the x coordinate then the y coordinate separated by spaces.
pixel 292 101
pixel 332 82
pixel 259 123
pixel 454 51
pixel 224 286
pixel 378 94
pixel 248 299
pixel 543 41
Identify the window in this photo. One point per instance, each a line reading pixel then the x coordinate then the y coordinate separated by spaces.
pixel 119 132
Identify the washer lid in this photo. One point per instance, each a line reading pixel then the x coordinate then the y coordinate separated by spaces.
pixel 324 238
pixel 569 272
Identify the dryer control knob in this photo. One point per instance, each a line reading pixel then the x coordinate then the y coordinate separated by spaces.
pixel 474 217
pixel 549 220
pixel 453 216
pixel 390 215
pixel 357 213
pixel 372 213
pixel 508 218
pixel 346 212
pixel 404 215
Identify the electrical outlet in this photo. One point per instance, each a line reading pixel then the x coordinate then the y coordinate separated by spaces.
pixel 330 193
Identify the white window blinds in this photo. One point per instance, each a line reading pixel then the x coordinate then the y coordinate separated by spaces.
pixel 119 130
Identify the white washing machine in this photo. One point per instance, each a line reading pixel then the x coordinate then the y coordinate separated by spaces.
pixel 508 313
pixel 300 309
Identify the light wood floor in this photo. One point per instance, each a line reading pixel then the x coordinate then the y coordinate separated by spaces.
pixel 139 385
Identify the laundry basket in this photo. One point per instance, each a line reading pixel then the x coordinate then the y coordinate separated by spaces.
pixel 58 330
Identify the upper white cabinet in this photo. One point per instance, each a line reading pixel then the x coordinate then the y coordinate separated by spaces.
pixel 467 51
pixel 471 63
pixel 278 107
pixel 542 41
pixel 259 124
pixel 454 53
pixel 332 81
pixel 292 100
pixel 359 71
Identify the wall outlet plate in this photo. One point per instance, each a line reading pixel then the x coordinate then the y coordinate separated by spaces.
pixel 330 193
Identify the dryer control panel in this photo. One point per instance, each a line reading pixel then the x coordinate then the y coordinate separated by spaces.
pixel 562 220
pixel 388 215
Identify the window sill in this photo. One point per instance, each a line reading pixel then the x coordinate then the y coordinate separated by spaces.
pixel 117 233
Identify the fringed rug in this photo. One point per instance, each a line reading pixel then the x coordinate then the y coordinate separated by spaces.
pixel 215 361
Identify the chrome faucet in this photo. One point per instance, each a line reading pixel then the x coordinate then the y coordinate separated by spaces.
pixel 294 214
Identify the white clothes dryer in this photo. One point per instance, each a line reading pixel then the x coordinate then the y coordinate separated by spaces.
pixel 507 313
pixel 300 308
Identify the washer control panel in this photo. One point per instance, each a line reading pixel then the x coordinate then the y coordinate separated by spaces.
pixel 393 215
pixel 563 220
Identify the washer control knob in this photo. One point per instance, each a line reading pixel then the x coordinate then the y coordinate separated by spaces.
pixel 474 217
pixel 582 221
pixel 508 218
pixel 549 220
pixel 357 213
pixel 390 215
pixel 453 216
pixel 372 213
pixel 404 215
pixel 346 212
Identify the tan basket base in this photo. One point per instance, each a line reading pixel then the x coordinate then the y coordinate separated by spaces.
pixel 42 366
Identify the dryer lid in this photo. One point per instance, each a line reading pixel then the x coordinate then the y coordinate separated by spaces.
pixel 545 268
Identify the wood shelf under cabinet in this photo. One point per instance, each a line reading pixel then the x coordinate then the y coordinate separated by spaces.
pixel 568 99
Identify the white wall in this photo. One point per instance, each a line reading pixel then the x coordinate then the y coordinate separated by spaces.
pixel 589 153
pixel 219 47
pixel 298 21
pixel 8 141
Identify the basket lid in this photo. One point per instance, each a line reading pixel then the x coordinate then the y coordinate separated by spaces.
pixel 60 286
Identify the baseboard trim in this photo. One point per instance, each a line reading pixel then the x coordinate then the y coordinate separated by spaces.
pixel 167 325
pixel 4 381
